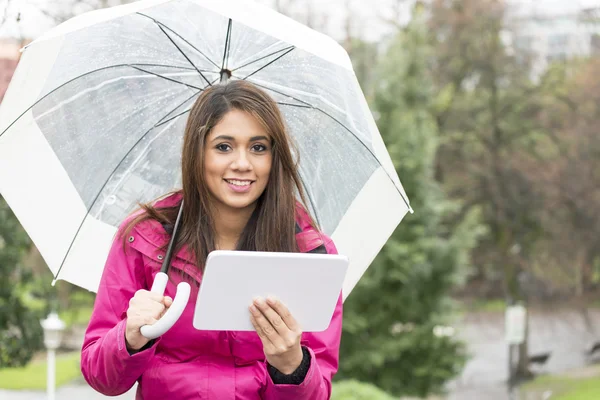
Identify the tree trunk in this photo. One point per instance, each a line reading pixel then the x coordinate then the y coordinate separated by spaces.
pixel 579 266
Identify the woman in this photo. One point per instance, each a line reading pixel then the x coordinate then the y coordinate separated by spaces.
pixel 239 181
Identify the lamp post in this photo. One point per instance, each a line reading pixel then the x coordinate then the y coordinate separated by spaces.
pixel 515 330
pixel 53 327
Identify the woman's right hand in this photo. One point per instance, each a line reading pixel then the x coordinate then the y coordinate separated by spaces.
pixel 145 308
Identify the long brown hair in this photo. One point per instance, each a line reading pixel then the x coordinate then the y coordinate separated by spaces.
pixel 272 224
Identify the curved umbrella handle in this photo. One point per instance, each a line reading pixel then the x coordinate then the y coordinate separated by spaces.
pixel 173 313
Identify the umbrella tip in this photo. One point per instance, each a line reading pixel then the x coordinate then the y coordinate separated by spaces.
pixel 410 210
pixel 53 282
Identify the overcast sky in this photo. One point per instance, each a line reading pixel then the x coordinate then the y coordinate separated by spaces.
pixel 331 14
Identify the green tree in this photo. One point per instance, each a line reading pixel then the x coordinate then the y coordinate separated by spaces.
pixel 391 332
pixel 486 118
pixel 20 330
pixel 567 171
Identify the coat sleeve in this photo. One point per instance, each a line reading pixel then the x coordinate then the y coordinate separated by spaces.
pixel 324 351
pixel 106 364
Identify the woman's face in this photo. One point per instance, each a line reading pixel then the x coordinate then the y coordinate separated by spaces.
pixel 237 161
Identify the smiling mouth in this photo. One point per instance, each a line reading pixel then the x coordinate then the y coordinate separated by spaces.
pixel 240 183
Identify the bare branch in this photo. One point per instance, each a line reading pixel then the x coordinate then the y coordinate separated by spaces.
pixel 5 13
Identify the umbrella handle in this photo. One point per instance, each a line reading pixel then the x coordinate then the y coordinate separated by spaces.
pixel 173 313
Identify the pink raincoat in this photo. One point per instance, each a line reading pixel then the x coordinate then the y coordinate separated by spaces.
pixel 186 363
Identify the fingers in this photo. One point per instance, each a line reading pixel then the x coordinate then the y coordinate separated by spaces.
pixel 146 307
pixel 167 302
pixel 283 312
pixel 262 326
pixel 145 296
pixel 262 335
pixel 272 316
pixel 150 295
pixel 274 323
pixel 281 344
pixel 147 320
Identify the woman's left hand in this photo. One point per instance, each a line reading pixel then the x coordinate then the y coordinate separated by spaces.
pixel 279 332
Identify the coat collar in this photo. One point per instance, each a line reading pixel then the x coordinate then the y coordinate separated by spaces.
pixel 153 232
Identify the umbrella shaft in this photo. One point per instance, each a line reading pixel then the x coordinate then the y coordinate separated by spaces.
pixel 167 261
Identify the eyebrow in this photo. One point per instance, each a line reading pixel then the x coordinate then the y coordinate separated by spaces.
pixel 231 138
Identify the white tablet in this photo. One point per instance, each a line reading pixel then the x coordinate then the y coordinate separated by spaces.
pixel 308 284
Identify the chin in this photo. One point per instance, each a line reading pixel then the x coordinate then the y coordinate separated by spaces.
pixel 240 205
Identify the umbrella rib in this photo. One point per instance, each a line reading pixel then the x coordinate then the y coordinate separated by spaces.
pixel 181 113
pixel 267 64
pixel 74 79
pixel 191 69
pixel 262 58
pixel 163 121
pixel 179 36
pixel 343 126
pixel 106 182
pixel 161 25
pixel 293 105
pixel 183 54
pixel 370 151
pixel 166 66
pixel 168 79
pixel 284 94
pixel 172 118
pixel 227 46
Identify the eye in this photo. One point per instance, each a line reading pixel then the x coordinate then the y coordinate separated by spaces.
pixel 223 147
pixel 259 148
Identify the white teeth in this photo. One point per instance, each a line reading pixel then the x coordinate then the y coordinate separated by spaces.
pixel 239 183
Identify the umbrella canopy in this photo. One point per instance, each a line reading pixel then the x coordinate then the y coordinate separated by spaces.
pixel 93 120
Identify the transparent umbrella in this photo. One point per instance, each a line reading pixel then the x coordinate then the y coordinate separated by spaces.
pixel 92 124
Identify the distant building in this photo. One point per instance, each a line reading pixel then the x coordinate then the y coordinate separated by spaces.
pixel 557 37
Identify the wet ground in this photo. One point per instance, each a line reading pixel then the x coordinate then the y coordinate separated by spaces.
pixel 567 334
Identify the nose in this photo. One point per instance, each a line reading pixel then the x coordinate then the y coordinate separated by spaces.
pixel 241 162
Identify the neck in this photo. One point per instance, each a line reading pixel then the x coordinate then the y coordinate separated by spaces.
pixel 229 225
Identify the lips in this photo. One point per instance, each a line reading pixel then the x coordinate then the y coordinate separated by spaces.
pixel 239 185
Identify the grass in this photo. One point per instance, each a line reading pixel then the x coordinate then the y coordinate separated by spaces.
pixel 491 305
pixel 33 375
pixel 594 303
pixel 588 389
pixel 566 387
pixel 355 390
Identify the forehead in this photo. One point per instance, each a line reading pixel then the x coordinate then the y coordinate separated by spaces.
pixel 238 125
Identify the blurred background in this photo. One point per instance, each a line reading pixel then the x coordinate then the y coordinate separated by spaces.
pixel 490 110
